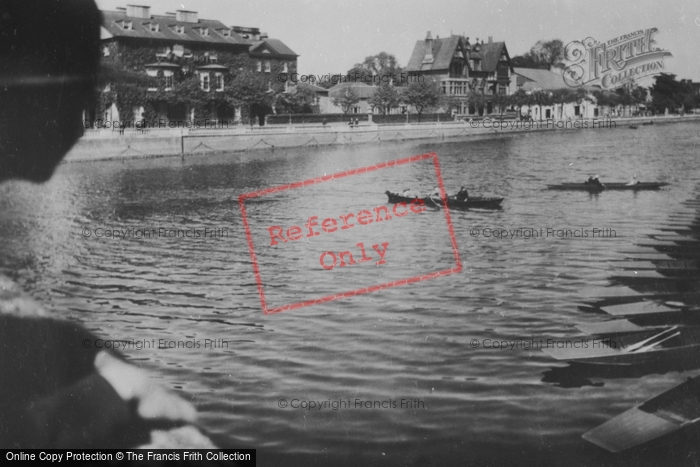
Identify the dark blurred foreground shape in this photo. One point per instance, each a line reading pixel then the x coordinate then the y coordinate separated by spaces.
pixel 55 390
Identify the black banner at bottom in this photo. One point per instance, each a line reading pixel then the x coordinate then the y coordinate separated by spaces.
pixel 243 457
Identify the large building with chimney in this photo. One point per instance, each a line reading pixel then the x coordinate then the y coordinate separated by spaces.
pixel 180 67
pixel 472 73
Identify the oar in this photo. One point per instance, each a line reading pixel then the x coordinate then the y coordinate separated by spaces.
pixel 436 203
pixel 651 346
pixel 638 345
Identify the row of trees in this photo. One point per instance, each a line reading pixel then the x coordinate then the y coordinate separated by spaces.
pixel 428 95
pixel 244 89
pixel 668 93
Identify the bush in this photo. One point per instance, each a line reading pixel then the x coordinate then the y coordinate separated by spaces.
pixel 282 119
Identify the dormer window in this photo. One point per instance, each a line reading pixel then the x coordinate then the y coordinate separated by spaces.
pixel 203 31
pixel 226 32
pixel 154 27
pixel 213 59
pixel 127 25
pixel 179 28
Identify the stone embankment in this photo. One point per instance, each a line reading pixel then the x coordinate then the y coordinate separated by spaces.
pixel 105 144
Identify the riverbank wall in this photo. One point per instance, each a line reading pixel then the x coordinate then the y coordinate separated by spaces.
pixel 107 144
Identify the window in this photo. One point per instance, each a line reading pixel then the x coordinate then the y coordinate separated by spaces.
pixel 180 29
pixel 356 110
pixel 154 27
pixel 267 66
pixel 204 77
pixel 285 68
pixel 502 89
pixel 577 110
pixel 168 82
pixel 502 69
pixel 219 82
pixel 105 51
pixel 226 32
pixel 213 59
pixel 203 31
pixel 258 66
pixel 127 25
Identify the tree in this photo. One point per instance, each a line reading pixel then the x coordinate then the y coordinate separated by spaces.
pixel 541 98
pixel 422 95
pixel 666 93
pixel 450 103
pixel 544 55
pixel 346 100
pixel 300 99
pixel 549 53
pixel 376 70
pixel 385 98
pixel 501 101
pixel 250 92
pixel 520 98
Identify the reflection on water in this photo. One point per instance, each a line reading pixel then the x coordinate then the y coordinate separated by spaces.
pixel 412 342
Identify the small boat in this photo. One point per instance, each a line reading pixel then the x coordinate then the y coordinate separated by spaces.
pixel 670 411
pixel 472 202
pixel 607 186
pixel 650 122
pixel 673 345
pixel 633 127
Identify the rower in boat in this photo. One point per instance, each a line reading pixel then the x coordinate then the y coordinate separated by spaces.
pixel 594 180
pixel 462 194
pixel 634 181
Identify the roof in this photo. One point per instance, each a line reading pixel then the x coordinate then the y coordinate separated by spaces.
pixel 444 49
pixel 276 46
pixel 490 55
pixel 535 79
pixel 540 79
pixel 364 91
pixel 141 29
pixel 313 87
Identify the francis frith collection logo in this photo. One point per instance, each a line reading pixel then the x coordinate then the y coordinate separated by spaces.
pixel 614 63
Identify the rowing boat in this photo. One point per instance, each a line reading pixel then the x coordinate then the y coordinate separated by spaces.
pixel 674 345
pixel 472 202
pixel 607 186
pixel 670 411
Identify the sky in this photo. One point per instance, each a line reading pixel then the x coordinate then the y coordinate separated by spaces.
pixel 330 36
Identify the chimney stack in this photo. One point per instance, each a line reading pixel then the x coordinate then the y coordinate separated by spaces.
pixel 186 16
pixel 428 49
pixel 138 11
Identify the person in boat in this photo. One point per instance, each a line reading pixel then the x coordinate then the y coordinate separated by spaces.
pixel 462 194
pixel 594 180
pixel 634 181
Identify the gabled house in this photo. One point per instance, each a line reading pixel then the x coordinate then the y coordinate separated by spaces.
pixel 472 73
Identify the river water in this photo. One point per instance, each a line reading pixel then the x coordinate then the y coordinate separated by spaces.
pixel 411 344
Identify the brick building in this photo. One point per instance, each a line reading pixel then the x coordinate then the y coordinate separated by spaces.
pixel 178 67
